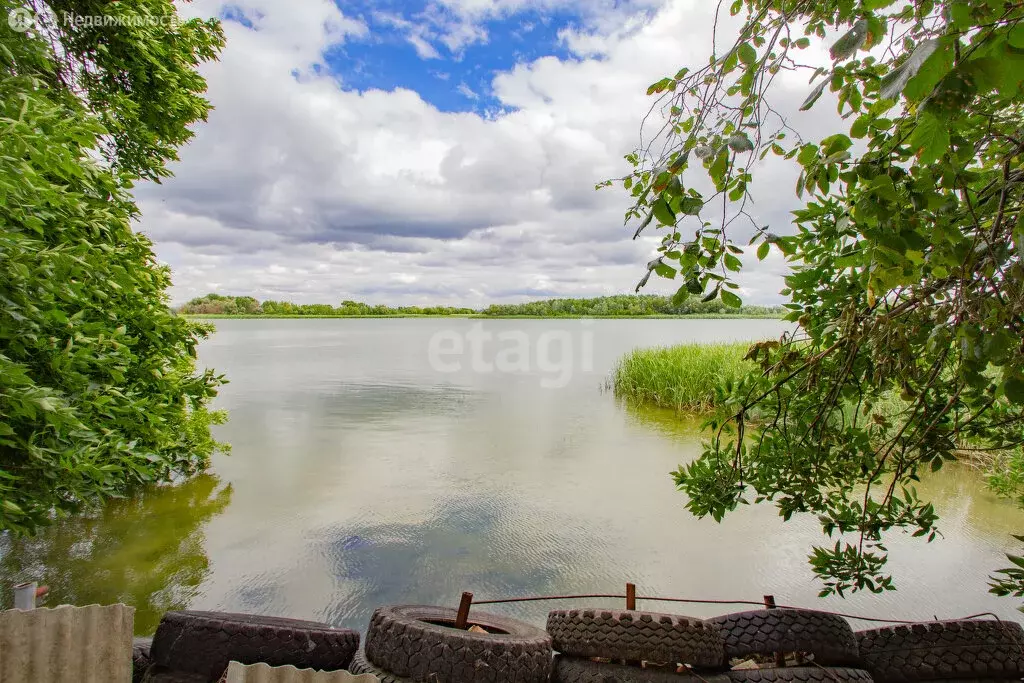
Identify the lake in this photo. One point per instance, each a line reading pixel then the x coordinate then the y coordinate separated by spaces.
pixel 383 461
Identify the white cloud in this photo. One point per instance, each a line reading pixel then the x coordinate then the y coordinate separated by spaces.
pixel 299 189
pixel 417 35
pixel 467 91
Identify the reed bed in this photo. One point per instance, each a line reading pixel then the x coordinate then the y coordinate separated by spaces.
pixel 681 377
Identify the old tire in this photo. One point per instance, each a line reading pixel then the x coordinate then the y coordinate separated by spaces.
pixel 140 658
pixel 633 635
pixel 204 642
pixel 800 674
pixel 827 637
pixel 361 665
pixel 420 643
pixel 944 650
pixel 158 674
pixel 574 670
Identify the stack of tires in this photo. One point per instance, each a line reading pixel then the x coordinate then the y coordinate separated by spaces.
pixel 420 644
pixel 777 645
pixel 822 647
pixel 196 647
pixel 975 651
pixel 637 647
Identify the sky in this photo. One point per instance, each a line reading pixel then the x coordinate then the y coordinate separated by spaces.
pixel 430 152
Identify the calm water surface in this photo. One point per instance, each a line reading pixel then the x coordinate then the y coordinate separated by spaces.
pixel 364 474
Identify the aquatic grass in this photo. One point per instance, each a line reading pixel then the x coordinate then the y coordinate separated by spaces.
pixel 681 377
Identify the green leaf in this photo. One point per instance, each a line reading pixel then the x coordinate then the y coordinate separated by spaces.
pixel 730 299
pixel 1015 38
pixel 739 142
pixel 1013 387
pixel 46 403
pixel 644 224
pixel 930 139
pixel 663 212
pixel 851 41
pixel 930 74
pixel 762 251
pixel 815 94
pixel 665 270
pixel 747 54
pixel 660 86
pixel 703 151
pixel 691 206
pixel 884 188
pixel 894 82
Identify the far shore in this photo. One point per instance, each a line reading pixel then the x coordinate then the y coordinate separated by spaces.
pixel 481 316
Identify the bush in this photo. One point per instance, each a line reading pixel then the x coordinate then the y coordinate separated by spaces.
pixel 98 387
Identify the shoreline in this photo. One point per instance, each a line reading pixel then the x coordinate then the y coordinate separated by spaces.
pixel 481 316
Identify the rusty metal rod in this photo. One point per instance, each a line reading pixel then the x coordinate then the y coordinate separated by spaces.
pixel 462 616
pixel 780 657
pixel 538 598
pixel 615 596
pixel 630 596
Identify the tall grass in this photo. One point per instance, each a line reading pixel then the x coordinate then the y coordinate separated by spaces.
pixel 680 377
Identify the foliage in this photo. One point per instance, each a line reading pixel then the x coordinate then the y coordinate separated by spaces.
pixel 138 78
pixel 98 387
pixel 906 259
pixel 688 377
pixel 216 304
pixel 625 306
pixel 145 551
pixel 606 306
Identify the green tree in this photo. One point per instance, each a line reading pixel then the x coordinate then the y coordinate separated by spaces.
pixel 98 387
pixel 906 260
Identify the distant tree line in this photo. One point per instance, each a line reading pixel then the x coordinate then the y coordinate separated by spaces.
pixel 216 304
pixel 625 305
pixel 605 306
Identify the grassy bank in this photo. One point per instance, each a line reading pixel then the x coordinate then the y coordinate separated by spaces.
pixel 679 377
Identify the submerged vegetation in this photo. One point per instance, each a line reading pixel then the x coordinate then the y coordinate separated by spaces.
pixel 620 306
pixel 685 378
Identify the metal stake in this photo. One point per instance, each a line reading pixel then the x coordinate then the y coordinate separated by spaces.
pixel 631 596
pixel 462 616
pixel 780 657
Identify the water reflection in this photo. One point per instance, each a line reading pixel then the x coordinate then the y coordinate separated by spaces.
pixel 492 544
pixel 682 427
pixel 146 551
pixel 362 477
pixel 365 402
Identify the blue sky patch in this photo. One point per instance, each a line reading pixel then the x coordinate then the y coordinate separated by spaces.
pixel 236 13
pixel 457 80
